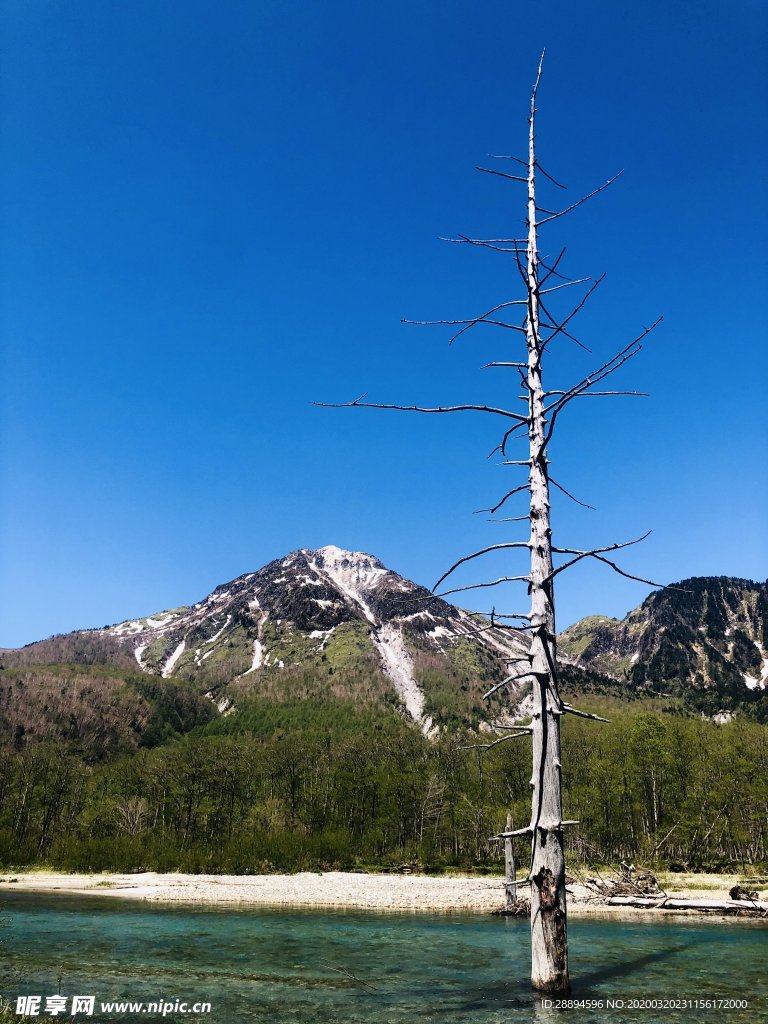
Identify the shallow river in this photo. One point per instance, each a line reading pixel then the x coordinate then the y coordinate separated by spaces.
pixel 296 967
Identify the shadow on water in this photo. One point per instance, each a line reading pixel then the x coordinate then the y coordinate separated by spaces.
pixel 584 984
pixel 517 995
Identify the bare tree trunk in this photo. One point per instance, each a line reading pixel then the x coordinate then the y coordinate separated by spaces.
pixel 549 941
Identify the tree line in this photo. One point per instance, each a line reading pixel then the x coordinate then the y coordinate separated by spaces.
pixel 350 788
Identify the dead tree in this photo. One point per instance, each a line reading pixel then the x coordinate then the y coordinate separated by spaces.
pixel 540 327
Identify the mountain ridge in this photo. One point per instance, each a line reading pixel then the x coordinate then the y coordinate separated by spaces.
pixel 344 622
pixel 308 607
pixel 706 634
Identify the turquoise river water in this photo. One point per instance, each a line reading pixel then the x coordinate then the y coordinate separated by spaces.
pixel 296 967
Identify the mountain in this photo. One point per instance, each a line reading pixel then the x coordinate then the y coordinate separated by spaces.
pixel 329 614
pixel 320 627
pixel 705 638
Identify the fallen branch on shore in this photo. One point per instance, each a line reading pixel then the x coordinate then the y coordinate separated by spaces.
pixel 630 882
pixel 673 903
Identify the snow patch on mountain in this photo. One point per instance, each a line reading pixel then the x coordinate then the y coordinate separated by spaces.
pixel 258 657
pixel 398 665
pixel 217 635
pixel 168 667
pixel 440 631
pixel 153 622
pixel 324 635
pixel 758 682
pixel 128 628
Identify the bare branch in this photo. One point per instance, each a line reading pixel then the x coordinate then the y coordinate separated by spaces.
pixel 518 366
pixel 467 324
pixel 503 446
pixel 509 519
pixel 589 554
pixel 486 241
pixel 482 243
pixel 600 374
pixel 477 554
pixel 509 835
pixel 486 320
pixel 420 408
pixel 501 174
pixel 493 583
pixel 506 615
pixel 472 321
pixel 523 275
pixel 608 367
pixel 506 682
pixel 495 743
pixel 599 394
pixel 493 625
pixel 640 579
pixel 550 271
pixel 554 326
pixel 596 553
pixel 561 213
pixel 546 175
pixel 503 156
pixel 567 709
pixel 469 320
pixel 343 970
pixel 568 494
pixel 566 284
pixel 495 508
pixel 559 328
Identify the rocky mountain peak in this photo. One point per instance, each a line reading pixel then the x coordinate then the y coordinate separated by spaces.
pixel 330 557
pixel 297 610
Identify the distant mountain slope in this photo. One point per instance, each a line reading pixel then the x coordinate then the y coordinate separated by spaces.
pixel 330 609
pixel 99 710
pixel 707 634
pixel 339 625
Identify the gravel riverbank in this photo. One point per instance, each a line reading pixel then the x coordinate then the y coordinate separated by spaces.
pixel 338 889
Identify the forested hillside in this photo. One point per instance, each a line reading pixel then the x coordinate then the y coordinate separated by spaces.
pixel 325 712
pixel 331 785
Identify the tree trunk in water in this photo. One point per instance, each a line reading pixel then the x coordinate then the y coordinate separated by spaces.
pixel 510 883
pixel 549 941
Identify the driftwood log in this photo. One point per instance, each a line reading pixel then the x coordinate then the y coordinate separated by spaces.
pixel 675 903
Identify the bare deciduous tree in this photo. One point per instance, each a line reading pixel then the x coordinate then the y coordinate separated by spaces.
pixel 540 327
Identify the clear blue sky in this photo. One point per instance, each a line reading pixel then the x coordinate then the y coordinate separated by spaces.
pixel 215 213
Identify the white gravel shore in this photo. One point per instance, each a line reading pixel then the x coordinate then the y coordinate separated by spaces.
pixel 339 889
pixel 308 889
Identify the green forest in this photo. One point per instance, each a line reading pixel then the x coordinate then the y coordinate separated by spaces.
pixel 336 784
